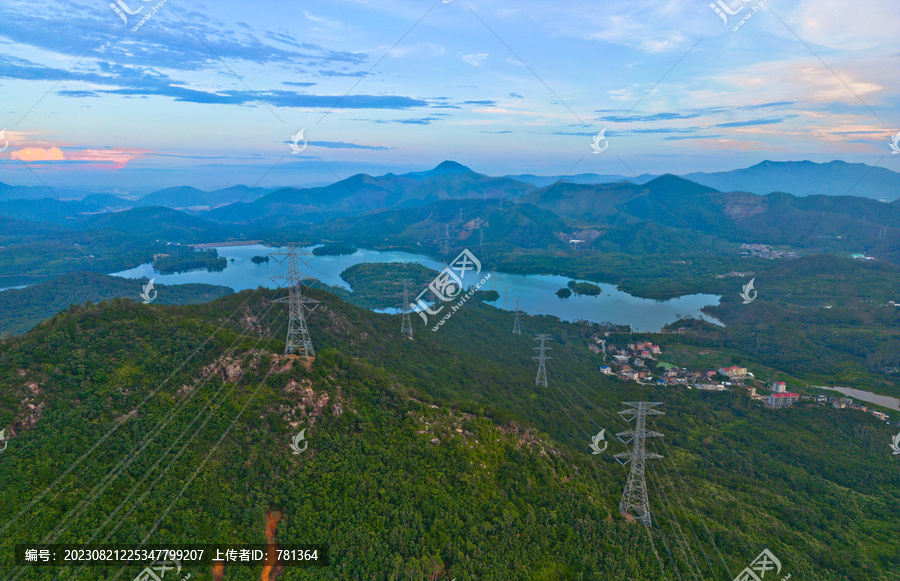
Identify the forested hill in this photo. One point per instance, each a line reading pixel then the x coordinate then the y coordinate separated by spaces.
pixel 22 309
pixel 436 458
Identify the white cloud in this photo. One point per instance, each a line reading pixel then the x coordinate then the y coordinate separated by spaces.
pixel 475 59
pixel 846 26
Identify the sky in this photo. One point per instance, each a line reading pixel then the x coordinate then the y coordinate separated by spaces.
pixel 138 95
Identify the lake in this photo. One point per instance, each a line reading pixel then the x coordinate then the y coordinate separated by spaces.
pixel 882 400
pixel 534 292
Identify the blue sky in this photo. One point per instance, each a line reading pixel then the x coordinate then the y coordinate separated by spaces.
pixel 209 94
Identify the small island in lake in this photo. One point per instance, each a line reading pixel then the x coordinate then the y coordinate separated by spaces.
pixel 333 249
pixel 259 259
pixel 584 288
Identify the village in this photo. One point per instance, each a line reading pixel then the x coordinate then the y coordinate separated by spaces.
pixel 639 361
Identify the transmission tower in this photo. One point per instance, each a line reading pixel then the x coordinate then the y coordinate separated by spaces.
pixel 634 500
pixel 541 378
pixel 481 253
pixel 445 244
pixel 405 325
pixel 516 329
pixel 298 341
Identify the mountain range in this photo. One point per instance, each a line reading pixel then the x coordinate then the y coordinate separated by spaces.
pixel 800 178
pixel 423 210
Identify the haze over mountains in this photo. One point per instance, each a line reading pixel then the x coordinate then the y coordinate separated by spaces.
pixel 664 212
pixel 800 178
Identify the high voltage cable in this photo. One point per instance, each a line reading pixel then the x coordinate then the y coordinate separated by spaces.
pixel 116 471
pixel 118 424
pixel 202 464
pixel 686 512
pixel 134 489
pixel 696 510
pixel 594 406
pixel 679 536
pixel 171 414
pixel 184 447
pixel 700 516
pixel 668 515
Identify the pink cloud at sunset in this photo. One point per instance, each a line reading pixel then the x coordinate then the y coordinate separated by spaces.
pixel 113 158
pixel 37 154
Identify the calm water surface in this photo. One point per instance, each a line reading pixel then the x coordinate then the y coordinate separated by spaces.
pixel 882 400
pixel 535 293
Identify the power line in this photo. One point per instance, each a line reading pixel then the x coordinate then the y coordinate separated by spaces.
pixel 298 341
pixel 71 516
pixel 405 324
pixel 517 330
pixel 634 500
pixel 541 378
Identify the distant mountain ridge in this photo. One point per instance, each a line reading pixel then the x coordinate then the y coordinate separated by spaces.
pixel 362 193
pixel 582 178
pixel 806 178
pixel 189 197
pixel 800 178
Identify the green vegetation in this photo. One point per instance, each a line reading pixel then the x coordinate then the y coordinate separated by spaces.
pixel 564 293
pixel 182 259
pixel 437 457
pixel 259 259
pixel 584 288
pixel 32 252
pixel 376 285
pixel 22 309
pixel 333 249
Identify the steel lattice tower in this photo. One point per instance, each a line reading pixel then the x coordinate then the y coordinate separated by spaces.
pixel 298 341
pixel 516 329
pixel 635 500
pixel 445 244
pixel 541 378
pixel 406 325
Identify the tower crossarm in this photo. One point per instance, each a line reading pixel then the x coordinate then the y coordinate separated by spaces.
pixel 625 455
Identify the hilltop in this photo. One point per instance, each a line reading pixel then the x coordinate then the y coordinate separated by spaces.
pixel 436 457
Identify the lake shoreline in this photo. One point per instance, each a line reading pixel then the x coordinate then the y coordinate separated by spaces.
pixel 535 292
pixel 884 401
